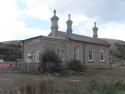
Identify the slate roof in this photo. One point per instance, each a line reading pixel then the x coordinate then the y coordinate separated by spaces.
pixel 74 37
pixel 82 38
pixel 42 36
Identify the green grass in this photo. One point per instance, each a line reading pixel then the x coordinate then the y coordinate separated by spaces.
pixel 82 84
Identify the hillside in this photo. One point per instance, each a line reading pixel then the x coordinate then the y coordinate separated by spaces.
pixel 117 49
pixel 10 50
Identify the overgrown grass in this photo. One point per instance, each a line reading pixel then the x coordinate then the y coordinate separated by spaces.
pixel 99 81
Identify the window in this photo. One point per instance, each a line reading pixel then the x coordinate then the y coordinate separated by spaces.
pixel 38 56
pixel 29 57
pixel 90 54
pixel 76 53
pixel 102 55
pixel 60 54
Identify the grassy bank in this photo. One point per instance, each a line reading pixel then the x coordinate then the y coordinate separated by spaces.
pixel 92 81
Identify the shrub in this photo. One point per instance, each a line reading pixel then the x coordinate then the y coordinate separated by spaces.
pixel 50 56
pixel 50 62
pixel 92 84
pixel 55 67
pixel 74 65
pixel 115 87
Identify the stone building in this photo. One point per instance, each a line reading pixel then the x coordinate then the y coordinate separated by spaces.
pixel 91 51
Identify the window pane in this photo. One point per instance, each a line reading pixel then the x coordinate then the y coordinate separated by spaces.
pixel 29 57
pixel 58 53
pixel 62 55
pixel 102 55
pixel 90 53
pixel 38 56
pixel 76 53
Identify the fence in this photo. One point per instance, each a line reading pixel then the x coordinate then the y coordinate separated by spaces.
pixel 33 67
pixel 19 67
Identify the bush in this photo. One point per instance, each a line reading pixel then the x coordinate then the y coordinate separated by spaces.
pixel 50 62
pixel 55 67
pixel 74 65
pixel 50 56
pixel 115 87
pixel 92 84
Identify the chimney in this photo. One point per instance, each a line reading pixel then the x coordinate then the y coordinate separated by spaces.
pixel 95 29
pixel 69 25
pixel 54 24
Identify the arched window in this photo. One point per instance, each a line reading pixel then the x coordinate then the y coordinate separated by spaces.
pixel 76 53
pixel 60 53
pixel 29 56
pixel 102 55
pixel 90 54
pixel 38 56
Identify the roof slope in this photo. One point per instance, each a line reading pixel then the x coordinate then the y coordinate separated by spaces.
pixel 83 38
pixel 74 37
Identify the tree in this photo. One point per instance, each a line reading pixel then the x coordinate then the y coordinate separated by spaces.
pixel 50 62
pixel 50 56
pixel 75 65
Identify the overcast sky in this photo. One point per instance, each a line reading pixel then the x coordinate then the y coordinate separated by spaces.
pixel 22 19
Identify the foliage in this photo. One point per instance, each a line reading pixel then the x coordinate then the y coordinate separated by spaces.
pixel 121 50
pixel 115 87
pixel 92 84
pixel 10 52
pixel 74 65
pixel 119 53
pixel 116 49
pixel 50 57
pixel 50 62
pixel 55 67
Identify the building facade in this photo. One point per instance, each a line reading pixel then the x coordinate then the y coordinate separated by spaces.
pixel 91 51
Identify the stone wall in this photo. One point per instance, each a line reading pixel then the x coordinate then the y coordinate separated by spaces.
pixel 67 45
pixel 96 56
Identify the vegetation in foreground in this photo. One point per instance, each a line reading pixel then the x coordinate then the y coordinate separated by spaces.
pixel 91 81
pixel 10 51
pixel 52 63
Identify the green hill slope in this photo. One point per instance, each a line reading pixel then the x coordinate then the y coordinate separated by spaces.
pixel 10 50
pixel 117 49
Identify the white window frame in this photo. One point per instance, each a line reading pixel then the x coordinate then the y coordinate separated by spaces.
pixel 29 56
pixel 102 52
pixel 92 53
pixel 77 53
pixel 38 56
pixel 60 54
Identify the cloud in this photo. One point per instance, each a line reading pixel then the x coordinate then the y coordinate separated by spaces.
pixel 13 25
pixel 112 30
pixel 7 18
pixel 21 19
pixel 104 9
